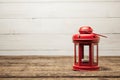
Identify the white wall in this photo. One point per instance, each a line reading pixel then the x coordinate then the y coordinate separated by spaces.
pixel 45 27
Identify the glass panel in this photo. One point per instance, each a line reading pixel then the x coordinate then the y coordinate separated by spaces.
pixel 85 58
pixel 95 53
pixel 77 53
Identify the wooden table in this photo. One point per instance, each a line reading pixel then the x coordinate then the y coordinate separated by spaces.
pixel 55 67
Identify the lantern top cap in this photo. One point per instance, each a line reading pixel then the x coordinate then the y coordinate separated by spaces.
pixel 85 30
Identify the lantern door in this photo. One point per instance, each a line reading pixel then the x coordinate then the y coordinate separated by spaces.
pixel 86 54
pixel 81 54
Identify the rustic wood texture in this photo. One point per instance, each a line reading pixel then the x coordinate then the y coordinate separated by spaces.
pixel 52 44
pixel 55 67
pixel 41 27
pixel 59 10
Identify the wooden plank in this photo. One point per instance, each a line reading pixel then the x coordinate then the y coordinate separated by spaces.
pixel 54 52
pixel 55 42
pixel 51 45
pixel 55 67
pixel 53 10
pixel 57 1
pixel 59 78
pixel 66 26
pixel 100 25
pixel 9 26
pixel 38 52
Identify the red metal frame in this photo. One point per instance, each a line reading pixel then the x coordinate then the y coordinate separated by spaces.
pixel 86 37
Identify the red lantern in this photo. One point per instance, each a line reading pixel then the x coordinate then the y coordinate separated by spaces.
pixel 86 49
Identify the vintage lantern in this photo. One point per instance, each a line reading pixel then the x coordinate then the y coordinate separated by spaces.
pixel 86 49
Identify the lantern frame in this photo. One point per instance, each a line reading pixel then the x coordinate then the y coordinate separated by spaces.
pixel 85 39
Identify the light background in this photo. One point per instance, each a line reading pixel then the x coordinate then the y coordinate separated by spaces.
pixel 45 27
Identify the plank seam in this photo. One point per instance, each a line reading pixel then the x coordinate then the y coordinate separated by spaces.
pixel 65 2
pixel 59 76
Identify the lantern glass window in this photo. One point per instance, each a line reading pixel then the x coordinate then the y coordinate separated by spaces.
pixel 95 53
pixel 85 55
pixel 77 52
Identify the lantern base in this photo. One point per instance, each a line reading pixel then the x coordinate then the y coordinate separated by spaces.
pixel 89 68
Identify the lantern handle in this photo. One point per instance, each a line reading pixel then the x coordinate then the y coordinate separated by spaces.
pixel 101 35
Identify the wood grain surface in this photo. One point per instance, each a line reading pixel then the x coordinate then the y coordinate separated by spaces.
pixel 55 67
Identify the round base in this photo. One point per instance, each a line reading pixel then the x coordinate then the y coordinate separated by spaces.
pixel 90 68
